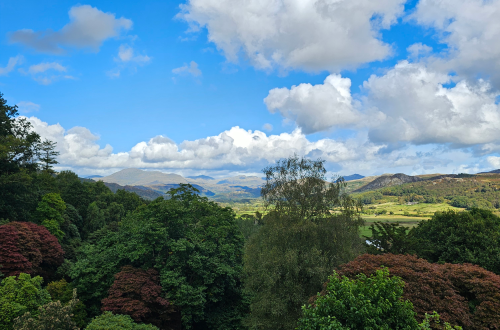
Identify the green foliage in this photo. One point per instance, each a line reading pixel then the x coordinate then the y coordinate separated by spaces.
pixel 194 244
pixel 53 227
pixel 53 315
pixel 299 244
pixel 47 155
pixel 461 237
pixel 433 320
pixel 389 237
pixel 20 295
pixel 65 293
pixel 51 207
pixel 363 303
pixel 108 321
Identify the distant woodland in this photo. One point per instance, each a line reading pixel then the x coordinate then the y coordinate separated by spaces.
pixel 76 255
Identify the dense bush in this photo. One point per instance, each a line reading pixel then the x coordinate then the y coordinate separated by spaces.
pixel 464 295
pixel 53 315
pixel 19 295
pixel 64 292
pixel 373 302
pixel 108 321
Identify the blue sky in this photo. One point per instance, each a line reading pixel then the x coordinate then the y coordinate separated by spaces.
pixel 224 87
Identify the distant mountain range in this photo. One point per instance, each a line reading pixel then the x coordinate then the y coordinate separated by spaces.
pixel 151 184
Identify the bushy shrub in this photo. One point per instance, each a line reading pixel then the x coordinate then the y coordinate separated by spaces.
pixel 373 302
pixel 464 295
pixel 19 295
pixel 108 321
pixel 53 315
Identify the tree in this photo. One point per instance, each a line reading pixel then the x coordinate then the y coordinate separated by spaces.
pixel 373 302
pixel 50 211
pixel 311 228
pixel 298 188
pixel 137 293
pixel 47 155
pixel 461 237
pixel 108 321
pixel 465 295
pixel 64 292
pixel 194 244
pixel 19 295
pixel 29 248
pixel 50 316
pixel 389 237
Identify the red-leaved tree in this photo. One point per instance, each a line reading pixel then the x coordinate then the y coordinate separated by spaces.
pixel 26 247
pixel 465 295
pixel 137 292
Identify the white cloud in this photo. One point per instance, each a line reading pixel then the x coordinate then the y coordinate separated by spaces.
pixel 191 69
pixel 316 108
pixel 238 151
pixel 471 29
pixel 42 67
pixel 27 106
pixel 126 55
pixel 494 161
pixel 295 34
pixel 46 73
pixel 127 59
pixel 418 50
pixel 13 61
pixel 417 108
pixel 88 28
pixel 408 104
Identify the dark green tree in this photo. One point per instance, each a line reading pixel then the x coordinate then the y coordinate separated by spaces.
pixel 47 155
pixel 461 237
pixel 311 228
pixel 194 244
pixel 389 237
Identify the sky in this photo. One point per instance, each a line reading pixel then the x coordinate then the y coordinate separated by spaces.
pixel 227 87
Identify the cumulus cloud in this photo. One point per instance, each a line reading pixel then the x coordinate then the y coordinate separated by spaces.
pixel 408 104
pixel 316 108
pixel 191 69
pixel 417 108
pixel 294 34
pixel 13 61
pixel 27 106
pixel 88 28
pixel 471 30
pixel 238 151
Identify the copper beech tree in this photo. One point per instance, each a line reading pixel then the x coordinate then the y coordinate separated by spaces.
pixel 26 247
pixel 137 292
pixel 462 294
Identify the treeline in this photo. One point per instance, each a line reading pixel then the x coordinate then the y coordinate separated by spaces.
pixel 465 192
pixel 74 255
